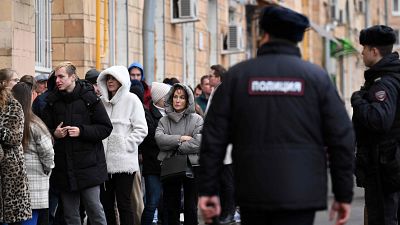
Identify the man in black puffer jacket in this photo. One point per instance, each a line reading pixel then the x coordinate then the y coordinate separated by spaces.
pixel 284 119
pixel 78 121
pixel 376 120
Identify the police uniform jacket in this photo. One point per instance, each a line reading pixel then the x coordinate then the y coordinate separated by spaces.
pixel 284 119
pixel 375 112
pixel 79 161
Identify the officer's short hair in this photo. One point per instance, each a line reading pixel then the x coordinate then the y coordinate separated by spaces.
pixel 384 50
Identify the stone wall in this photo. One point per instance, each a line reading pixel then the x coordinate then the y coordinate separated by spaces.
pixel 17 36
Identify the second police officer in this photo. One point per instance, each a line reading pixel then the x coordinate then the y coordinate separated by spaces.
pixel 377 124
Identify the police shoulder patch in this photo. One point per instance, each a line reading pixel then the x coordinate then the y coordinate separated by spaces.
pixel 380 96
pixel 276 86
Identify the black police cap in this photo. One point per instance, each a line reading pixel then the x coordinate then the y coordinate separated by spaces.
pixel 283 23
pixel 378 35
pixel 92 75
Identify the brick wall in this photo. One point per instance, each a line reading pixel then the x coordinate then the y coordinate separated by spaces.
pixel 17 36
pixel 68 36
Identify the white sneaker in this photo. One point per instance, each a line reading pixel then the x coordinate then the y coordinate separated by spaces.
pixel 236 217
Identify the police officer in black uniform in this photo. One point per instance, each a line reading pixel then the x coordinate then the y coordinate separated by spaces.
pixel 285 120
pixel 377 124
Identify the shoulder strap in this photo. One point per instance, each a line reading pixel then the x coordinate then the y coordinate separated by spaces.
pixel 90 100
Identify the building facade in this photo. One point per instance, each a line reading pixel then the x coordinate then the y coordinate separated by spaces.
pixel 181 38
pixel 332 42
pixel 17 35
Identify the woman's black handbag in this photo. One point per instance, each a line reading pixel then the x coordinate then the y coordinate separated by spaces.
pixel 174 166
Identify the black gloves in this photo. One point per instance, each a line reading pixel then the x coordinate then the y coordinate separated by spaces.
pixel 357 97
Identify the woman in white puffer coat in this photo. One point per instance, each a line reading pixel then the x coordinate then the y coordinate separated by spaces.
pixel 121 147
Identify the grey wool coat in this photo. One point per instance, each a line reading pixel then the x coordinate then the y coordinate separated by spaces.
pixel 174 125
pixel 39 160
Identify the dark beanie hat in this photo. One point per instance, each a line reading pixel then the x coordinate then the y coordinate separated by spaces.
pixel 283 23
pixel 378 35
pixel 137 88
pixel 92 75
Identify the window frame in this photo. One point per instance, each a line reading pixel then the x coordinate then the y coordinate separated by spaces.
pixel 396 12
pixel 43 51
pixel 175 19
pixel 397 43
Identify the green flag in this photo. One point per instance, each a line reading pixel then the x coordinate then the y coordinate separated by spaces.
pixel 345 47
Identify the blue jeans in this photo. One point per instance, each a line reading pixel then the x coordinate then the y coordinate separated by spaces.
pixel 153 192
pixel 33 220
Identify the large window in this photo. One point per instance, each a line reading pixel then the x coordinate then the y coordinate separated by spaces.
pixel 43 36
pixel 395 8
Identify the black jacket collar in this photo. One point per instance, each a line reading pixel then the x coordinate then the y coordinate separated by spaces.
pixel 82 88
pixel 279 47
pixel 387 65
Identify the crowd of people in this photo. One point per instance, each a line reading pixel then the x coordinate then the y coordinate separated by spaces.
pixel 82 146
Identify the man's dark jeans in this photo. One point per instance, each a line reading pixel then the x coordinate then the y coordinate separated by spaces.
pixel 227 192
pixel 153 193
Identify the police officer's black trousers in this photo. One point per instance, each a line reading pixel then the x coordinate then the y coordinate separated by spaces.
pixel 382 209
pixel 263 217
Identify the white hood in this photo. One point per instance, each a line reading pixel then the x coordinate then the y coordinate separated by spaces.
pixel 121 74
